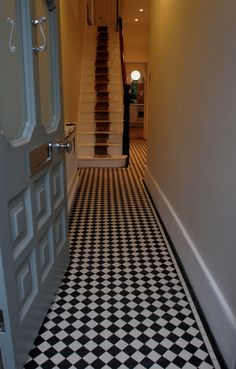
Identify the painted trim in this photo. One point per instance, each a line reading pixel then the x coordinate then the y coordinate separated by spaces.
pixel 71 190
pixel 28 71
pixel 6 350
pixel 217 312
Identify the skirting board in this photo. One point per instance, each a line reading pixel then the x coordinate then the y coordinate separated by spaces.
pixel 71 190
pixel 216 310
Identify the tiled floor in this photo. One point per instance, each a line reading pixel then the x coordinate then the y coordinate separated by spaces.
pixel 123 302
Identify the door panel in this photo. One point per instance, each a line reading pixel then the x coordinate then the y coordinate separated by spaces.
pixel 16 72
pixel 45 37
pixel 33 221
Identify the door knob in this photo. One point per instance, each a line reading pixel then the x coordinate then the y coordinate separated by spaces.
pixel 67 146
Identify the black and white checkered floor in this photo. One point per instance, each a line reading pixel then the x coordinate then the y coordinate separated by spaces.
pixel 123 302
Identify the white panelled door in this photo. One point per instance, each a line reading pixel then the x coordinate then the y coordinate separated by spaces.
pixel 33 210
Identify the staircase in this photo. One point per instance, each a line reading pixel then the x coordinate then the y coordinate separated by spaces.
pixel 101 105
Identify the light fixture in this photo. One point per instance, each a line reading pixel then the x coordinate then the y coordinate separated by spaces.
pixel 141 10
pixel 136 20
pixel 135 75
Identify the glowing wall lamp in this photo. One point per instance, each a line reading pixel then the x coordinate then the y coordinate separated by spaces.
pixel 135 75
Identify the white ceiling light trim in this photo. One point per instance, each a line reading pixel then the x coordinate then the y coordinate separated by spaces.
pixel 135 75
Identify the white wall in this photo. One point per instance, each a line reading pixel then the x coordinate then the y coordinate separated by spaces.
pixel 136 42
pixel 191 171
pixel 105 12
pixel 73 21
pixel 73 18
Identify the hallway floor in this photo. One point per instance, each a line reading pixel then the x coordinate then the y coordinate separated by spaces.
pixel 123 302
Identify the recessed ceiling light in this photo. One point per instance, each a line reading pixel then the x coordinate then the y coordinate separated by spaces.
pixel 136 20
pixel 141 10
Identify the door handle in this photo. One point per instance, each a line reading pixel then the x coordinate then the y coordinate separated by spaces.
pixel 58 146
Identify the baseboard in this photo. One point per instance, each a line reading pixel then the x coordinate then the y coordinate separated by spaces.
pixel 217 312
pixel 71 190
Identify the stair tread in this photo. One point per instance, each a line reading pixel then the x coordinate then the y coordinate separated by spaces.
pixel 94 101
pixel 102 115
pixel 106 144
pixel 110 156
pixel 120 122
pixel 94 133
pixel 110 82
pixel 108 161
pixel 99 156
pixel 102 111
pixel 107 132
pixel 100 132
pixel 99 144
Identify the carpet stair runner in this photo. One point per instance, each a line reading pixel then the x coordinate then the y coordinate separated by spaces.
pixel 101 107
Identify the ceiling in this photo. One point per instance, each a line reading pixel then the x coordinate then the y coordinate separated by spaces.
pixel 105 12
pixel 130 10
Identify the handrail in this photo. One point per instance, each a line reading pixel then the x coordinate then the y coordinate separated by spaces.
pixel 126 87
pixel 122 53
pixel 117 14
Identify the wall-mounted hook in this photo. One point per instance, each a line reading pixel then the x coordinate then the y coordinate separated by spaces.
pixel 11 47
pixel 39 22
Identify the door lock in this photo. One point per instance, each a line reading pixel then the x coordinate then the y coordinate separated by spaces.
pixel 67 146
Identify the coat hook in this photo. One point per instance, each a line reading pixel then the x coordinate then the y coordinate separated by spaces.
pixel 39 22
pixel 11 47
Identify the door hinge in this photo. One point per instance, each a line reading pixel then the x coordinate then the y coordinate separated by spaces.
pixel 2 324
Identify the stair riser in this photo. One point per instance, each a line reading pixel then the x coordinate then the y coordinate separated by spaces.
pixel 102 163
pixel 93 37
pixel 90 29
pixel 112 138
pixel 111 87
pixel 112 50
pixel 115 150
pixel 91 127
pixel 93 30
pixel 89 116
pixel 89 150
pixel 113 64
pixel 90 78
pixel 85 150
pixel 94 45
pixel 91 97
pixel 89 106
pixel 92 70
pixel 105 62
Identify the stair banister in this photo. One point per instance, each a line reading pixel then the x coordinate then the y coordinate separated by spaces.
pixel 122 53
pixel 117 14
pixel 126 88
